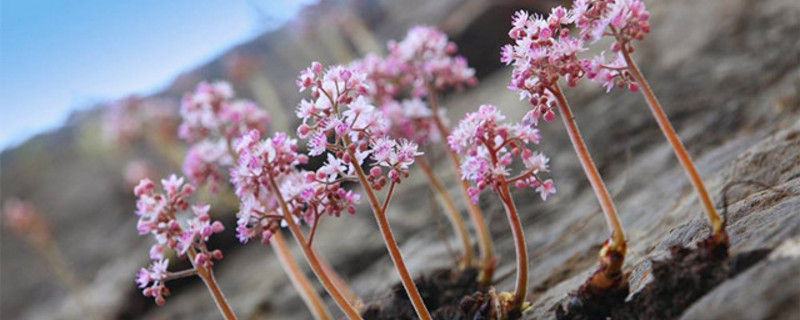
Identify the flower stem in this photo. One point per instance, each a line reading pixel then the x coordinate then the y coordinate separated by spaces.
pixel 388 239
pixel 298 278
pixel 475 213
pixel 459 228
pixel 289 263
pixel 211 283
pixel 600 190
pixel 685 160
pixel 521 287
pixel 349 310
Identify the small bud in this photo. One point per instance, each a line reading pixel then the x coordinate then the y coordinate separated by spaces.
pixel 200 259
pixel 316 67
pixel 375 172
pixel 549 115
pixel 217 227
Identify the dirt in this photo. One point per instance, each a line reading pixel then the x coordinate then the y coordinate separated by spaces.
pixel 678 281
pixel 449 294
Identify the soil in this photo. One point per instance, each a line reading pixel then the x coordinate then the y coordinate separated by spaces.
pixel 449 294
pixel 679 281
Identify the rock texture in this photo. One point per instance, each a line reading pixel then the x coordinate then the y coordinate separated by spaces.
pixel 727 72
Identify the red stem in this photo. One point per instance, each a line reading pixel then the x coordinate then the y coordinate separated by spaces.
pixel 685 160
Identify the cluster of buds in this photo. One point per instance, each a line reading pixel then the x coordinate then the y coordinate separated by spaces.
pixel 312 195
pixel 625 21
pixel 210 110
pixel 125 120
pixel 157 216
pixel 212 121
pixel 342 121
pixel 489 148
pixel 609 72
pixel 396 156
pixel 22 218
pixel 426 56
pixel 309 195
pixel 383 77
pixel 413 119
pixel 259 162
pixel 424 60
pixel 543 51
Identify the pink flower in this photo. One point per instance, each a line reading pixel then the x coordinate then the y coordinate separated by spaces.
pixel 426 55
pixel 145 186
pixel 129 118
pixel 489 148
pixel 384 80
pixel 542 53
pixel 275 158
pixel 204 163
pixel 546 189
pixel 200 110
pixel 624 19
pixel 609 73
pixel 213 122
pixel 412 119
pixel 156 275
pixel 157 213
pixel 240 117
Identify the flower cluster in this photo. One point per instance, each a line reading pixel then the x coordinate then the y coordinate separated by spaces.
pixel 308 195
pixel 209 112
pixel 489 147
pixel 609 72
pixel 261 162
pixel 125 119
pixel 204 162
pixel 412 119
pixel 212 121
pixel 396 156
pixel 152 280
pixel 157 216
pixel 384 76
pixel 25 220
pixel 624 20
pixel 543 51
pixel 350 128
pixel 425 59
pixel 426 55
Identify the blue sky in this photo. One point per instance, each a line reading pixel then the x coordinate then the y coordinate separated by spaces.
pixel 59 55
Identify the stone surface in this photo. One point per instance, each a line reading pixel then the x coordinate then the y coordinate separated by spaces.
pixel 727 72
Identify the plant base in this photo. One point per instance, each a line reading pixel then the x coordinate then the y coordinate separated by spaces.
pixel 605 290
pixel 679 281
pixel 450 294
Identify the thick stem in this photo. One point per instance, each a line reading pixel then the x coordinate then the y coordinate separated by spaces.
pixel 685 160
pixel 298 278
pixel 459 228
pixel 521 287
pixel 349 310
pixel 388 239
pixel 599 187
pixel 475 213
pixel 211 283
